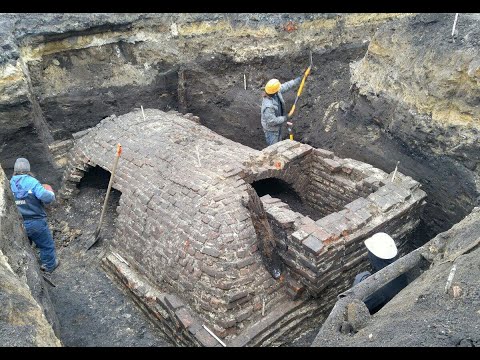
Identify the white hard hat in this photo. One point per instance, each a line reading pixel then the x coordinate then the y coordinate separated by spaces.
pixel 381 245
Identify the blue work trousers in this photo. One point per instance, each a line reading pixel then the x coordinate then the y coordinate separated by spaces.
pixel 39 232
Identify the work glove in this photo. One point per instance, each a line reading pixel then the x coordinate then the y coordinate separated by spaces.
pixel 47 187
pixel 289 119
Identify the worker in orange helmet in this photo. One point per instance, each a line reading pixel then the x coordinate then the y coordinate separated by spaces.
pixel 273 113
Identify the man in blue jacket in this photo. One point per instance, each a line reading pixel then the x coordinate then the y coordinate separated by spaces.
pixel 30 197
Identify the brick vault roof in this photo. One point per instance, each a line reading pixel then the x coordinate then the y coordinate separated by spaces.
pixel 181 215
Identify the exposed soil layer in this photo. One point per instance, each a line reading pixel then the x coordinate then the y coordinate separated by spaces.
pixel 216 92
pixel 91 309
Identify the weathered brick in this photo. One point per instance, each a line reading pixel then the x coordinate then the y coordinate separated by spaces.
pixel 227 323
pixel 184 317
pixel 173 302
pixel 323 153
pixel 321 234
pixel 244 314
pixel 212 271
pixel 220 197
pixel 237 296
pixel 236 303
pixel 364 214
pixel 194 328
pixel 268 200
pixel 358 204
pixel 332 165
pixel 300 235
pixel 245 262
pixel 210 251
pixel 313 245
pixel 295 294
pixel 224 284
pixel 205 338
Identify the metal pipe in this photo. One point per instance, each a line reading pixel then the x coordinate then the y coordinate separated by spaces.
pixel 376 281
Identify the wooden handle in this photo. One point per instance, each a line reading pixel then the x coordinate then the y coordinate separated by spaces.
pixel 300 89
pixel 291 110
pixel 115 163
pixel 302 84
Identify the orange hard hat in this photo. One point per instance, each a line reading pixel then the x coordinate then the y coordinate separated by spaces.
pixel 272 86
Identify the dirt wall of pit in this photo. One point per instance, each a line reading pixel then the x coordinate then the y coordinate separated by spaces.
pixel 414 99
pixel 63 73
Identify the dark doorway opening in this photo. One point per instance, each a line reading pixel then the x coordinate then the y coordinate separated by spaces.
pixel 96 177
pixel 88 202
pixel 284 191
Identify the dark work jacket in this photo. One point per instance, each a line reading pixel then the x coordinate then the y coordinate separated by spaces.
pixel 383 295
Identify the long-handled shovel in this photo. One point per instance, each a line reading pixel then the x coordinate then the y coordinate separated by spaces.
pixel 97 232
pixel 299 92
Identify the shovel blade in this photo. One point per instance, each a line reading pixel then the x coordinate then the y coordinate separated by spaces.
pixel 94 240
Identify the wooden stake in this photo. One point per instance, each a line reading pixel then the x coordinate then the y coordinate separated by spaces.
pixel 115 163
pixel 454 23
pixel 395 172
pixel 450 277
pixel 215 336
pixel 245 81
pixel 143 113
pixel 120 258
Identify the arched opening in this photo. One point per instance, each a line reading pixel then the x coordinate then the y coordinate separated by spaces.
pixel 88 203
pixel 282 190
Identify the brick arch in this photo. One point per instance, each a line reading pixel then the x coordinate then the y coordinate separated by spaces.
pixel 184 225
pixel 181 221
